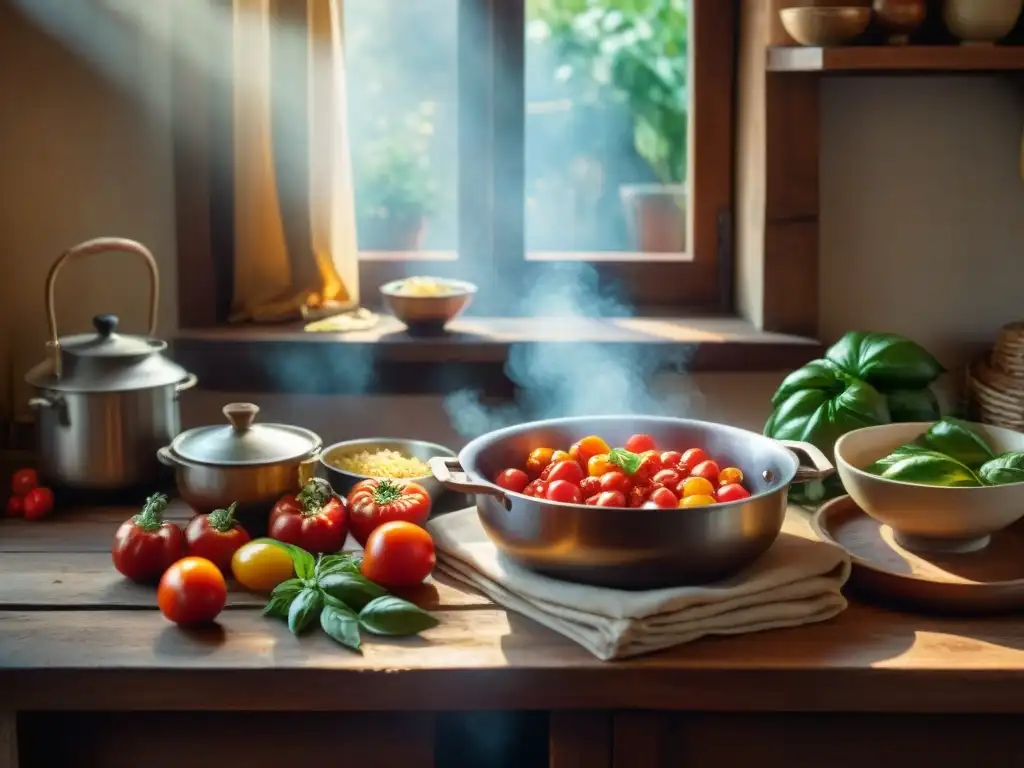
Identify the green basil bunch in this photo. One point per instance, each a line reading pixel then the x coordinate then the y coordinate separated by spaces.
pixel 864 379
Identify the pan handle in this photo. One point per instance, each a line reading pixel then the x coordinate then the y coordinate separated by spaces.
pixel 820 467
pixel 459 482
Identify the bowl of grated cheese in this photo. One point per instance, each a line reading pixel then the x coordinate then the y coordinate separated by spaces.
pixel 391 458
pixel 426 304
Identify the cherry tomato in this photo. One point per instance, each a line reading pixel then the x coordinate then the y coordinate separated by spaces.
pixel 536 488
pixel 640 443
pixel 708 470
pixel 215 536
pixel 373 502
pixel 638 494
pixel 38 503
pixel 192 591
pixel 696 486
pixel 590 486
pixel 610 499
pixel 398 554
pixel 650 465
pixel 671 459
pixel 259 566
pixel 599 463
pixel 514 480
pixel 663 498
pixel 670 478
pixel 732 492
pixel 730 475
pixel 563 490
pixel 538 459
pixel 145 546
pixel 691 459
pixel 314 519
pixel 23 481
pixel 565 470
pixel 561 456
pixel 15 507
pixel 592 500
pixel 583 449
pixel 615 481
pixel 696 501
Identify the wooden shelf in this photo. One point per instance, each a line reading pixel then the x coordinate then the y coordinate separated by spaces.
pixel 896 59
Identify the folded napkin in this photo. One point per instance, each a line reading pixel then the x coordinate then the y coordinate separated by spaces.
pixel 796 582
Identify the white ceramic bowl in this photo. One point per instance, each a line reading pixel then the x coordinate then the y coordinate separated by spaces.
pixel 925 517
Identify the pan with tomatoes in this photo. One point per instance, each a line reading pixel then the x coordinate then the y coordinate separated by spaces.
pixel 631 501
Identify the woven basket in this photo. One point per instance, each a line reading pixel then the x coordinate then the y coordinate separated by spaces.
pixel 1008 354
pixel 995 397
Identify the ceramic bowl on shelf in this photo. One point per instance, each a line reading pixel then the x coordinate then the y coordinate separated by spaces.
pixel 981 22
pixel 928 517
pixel 825 26
pixel 898 18
pixel 425 305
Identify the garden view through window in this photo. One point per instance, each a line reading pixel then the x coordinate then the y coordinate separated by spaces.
pixel 605 139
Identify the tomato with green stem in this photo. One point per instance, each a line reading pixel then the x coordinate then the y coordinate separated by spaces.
pixel 313 519
pixel 145 545
pixel 216 536
pixel 374 502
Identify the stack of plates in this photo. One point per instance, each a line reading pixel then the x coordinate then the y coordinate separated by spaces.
pixel 995 386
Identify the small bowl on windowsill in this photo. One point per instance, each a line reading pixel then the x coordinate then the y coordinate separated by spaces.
pixel 425 305
pixel 825 27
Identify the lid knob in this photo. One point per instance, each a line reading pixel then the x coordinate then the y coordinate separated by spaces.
pixel 104 325
pixel 241 415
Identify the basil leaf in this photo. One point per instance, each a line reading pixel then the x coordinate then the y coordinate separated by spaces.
pixel 288 589
pixel 1004 469
pixel 390 615
pixel 913 405
pixel 278 607
pixel 817 374
pixel 915 464
pixel 353 589
pixel 345 563
pixel 956 439
pixel 303 562
pixel 821 416
pixel 628 461
pixel 304 609
pixel 885 360
pixel 342 626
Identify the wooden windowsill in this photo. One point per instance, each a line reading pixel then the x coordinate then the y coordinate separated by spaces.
pixel 908 59
pixel 473 353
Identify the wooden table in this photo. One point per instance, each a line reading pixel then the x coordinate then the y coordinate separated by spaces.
pixel 93 676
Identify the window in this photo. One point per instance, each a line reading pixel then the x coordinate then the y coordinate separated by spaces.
pixel 509 135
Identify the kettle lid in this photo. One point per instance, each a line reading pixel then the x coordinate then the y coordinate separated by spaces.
pixel 106 342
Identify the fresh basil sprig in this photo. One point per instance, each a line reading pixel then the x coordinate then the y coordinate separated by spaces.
pixel 332 589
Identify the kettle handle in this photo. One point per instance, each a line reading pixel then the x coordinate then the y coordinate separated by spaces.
pixel 89 247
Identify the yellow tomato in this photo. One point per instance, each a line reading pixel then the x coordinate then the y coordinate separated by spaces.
pixel 259 566
pixel 599 464
pixel 560 456
pixel 697 486
pixel 730 475
pixel 538 459
pixel 583 449
pixel 700 500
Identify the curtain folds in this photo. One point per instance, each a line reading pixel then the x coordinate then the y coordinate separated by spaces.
pixel 295 246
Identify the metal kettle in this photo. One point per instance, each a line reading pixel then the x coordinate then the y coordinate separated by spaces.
pixel 105 401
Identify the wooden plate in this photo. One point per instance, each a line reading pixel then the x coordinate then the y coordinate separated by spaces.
pixel 990 580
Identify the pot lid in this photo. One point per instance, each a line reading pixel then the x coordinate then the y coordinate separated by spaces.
pixel 109 344
pixel 242 442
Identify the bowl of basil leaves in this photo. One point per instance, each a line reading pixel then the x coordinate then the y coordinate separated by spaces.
pixel 940 486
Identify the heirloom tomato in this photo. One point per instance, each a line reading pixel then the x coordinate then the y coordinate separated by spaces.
pixel 373 502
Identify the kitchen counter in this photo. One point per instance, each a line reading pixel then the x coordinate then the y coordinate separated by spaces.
pixel 76 637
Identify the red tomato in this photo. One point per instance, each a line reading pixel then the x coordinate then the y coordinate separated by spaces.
pixel 564 491
pixel 638 494
pixel 671 459
pixel 708 470
pixel 615 481
pixel 592 500
pixel 215 536
pixel 667 477
pixel 145 546
pixel 372 503
pixel 691 459
pixel 536 488
pixel 640 443
pixel 514 480
pixel 583 449
pixel 398 554
pixel 569 471
pixel 313 519
pixel 38 503
pixel 610 499
pixel 23 481
pixel 732 492
pixel 192 591
pixel 590 486
pixel 650 465
pixel 538 459
pixel 663 498
pixel 16 506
